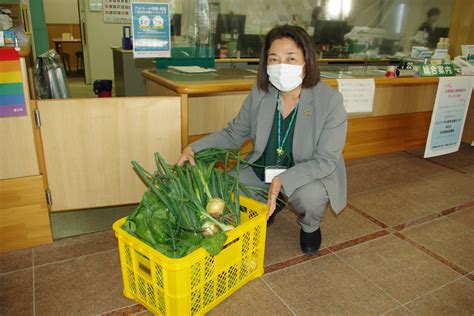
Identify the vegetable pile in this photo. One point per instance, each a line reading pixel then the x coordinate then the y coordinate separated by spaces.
pixel 187 207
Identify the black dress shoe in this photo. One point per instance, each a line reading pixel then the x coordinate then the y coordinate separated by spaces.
pixel 310 242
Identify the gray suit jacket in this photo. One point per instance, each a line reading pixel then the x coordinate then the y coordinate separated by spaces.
pixel 319 137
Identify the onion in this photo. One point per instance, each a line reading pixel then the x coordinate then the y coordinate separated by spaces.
pixel 209 229
pixel 215 207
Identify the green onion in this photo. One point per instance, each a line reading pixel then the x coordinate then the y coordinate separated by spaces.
pixel 186 206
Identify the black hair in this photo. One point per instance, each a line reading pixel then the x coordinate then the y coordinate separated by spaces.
pixel 303 41
pixel 432 12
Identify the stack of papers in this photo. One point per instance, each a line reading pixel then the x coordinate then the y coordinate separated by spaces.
pixel 191 69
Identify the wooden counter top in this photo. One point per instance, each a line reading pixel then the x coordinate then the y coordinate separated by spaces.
pixel 382 81
pixel 320 60
pixel 223 80
pixel 122 50
pixel 227 80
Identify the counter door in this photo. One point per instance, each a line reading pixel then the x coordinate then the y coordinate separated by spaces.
pixel 89 143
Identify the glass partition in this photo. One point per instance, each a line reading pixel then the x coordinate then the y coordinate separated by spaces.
pixel 339 28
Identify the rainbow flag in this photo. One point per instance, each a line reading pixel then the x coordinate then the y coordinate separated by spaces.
pixel 12 99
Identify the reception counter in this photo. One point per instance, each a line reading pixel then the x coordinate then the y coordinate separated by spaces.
pixel 399 121
pixel 128 80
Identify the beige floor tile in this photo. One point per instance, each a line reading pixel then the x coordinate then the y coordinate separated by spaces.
pixel 469 169
pixel 282 240
pixel 414 167
pixel 360 177
pixel 382 157
pixel 345 226
pixel 144 313
pixel 328 286
pixel 359 161
pixel 456 298
pixel 462 158
pixel 75 247
pixel 380 173
pixel 401 170
pixel 465 217
pixel 15 260
pixel 254 298
pixel 389 207
pixel 398 268
pixel 81 286
pixel 133 309
pixel 418 152
pixel 401 311
pixel 438 192
pixel 452 240
pixel 16 293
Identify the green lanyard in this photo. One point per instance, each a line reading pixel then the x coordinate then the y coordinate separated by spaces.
pixel 280 151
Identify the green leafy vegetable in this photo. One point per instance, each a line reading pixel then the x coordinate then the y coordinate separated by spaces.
pixel 213 244
pixel 190 206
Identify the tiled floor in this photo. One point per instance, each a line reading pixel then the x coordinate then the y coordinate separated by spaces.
pixel 79 89
pixel 403 246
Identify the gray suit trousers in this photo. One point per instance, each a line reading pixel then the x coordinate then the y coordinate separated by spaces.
pixel 309 201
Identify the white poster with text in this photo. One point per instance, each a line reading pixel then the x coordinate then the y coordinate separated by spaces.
pixel 358 94
pixel 449 115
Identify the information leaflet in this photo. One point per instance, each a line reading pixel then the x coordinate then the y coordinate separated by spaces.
pixel 449 115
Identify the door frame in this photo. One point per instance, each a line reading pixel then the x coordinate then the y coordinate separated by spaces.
pixel 82 7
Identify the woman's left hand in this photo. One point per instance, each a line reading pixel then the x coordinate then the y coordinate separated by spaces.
pixel 273 192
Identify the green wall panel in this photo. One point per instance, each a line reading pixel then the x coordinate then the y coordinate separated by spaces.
pixel 38 22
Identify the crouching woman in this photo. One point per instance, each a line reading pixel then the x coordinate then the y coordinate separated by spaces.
pixel 298 127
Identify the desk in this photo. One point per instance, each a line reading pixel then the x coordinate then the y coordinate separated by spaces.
pixel 399 121
pixel 58 43
pixel 128 79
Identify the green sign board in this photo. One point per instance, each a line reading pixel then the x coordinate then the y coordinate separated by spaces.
pixel 442 70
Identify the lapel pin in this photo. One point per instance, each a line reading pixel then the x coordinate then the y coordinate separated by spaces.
pixel 307 111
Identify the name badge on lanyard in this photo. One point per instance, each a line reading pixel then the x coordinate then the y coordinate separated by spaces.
pixel 273 171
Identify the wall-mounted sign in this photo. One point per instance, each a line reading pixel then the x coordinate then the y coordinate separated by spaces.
pixel 358 94
pixel 151 30
pixel 116 11
pixel 441 70
pixel 95 5
pixel 12 99
pixel 449 115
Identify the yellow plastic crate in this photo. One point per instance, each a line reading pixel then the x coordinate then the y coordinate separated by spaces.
pixel 194 284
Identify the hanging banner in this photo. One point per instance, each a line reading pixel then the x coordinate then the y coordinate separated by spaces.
pixel 449 115
pixel 151 30
pixel 12 99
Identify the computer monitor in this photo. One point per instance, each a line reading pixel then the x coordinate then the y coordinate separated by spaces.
pixel 389 46
pixel 330 32
pixel 440 32
pixel 230 24
pixel 250 45
pixel 176 24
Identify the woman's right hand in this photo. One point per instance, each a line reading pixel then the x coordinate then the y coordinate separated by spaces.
pixel 187 155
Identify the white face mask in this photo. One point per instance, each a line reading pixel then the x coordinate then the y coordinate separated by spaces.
pixel 285 77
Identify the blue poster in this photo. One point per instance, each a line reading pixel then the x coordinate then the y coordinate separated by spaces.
pixel 151 30
pixel 449 115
